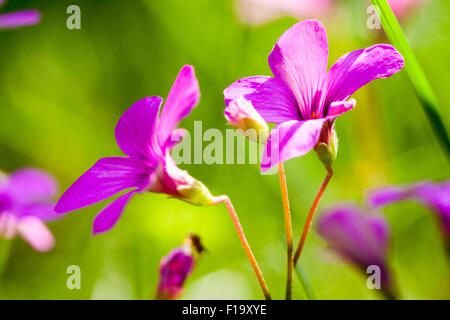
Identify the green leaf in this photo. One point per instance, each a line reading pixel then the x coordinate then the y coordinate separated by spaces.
pixel 418 79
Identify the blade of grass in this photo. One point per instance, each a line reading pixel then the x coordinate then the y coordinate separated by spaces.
pixel 305 282
pixel 418 79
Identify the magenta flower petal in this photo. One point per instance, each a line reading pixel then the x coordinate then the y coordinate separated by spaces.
pixel 290 139
pixel 31 185
pixel 362 239
pixel 135 131
pixel 357 68
pixel 19 19
pixel 183 97
pixel 107 177
pixel 43 211
pixel 36 233
pixel 108 217
pixel 387 195
pixel 272 99
pixel 300 59
pixel 340 107
pixel 435 196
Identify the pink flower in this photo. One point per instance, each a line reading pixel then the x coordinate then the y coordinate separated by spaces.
pixel 302 98
pixel 25 204
pixel 147 138
pixel 362 239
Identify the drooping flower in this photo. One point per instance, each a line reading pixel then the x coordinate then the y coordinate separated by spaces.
pixel 25 204
pixel 362 239
pixel 258 12
pixel 302 98
pixel 147 138
pixel 241 115
pixel 18 19
pixel 175 267
pixel 436 196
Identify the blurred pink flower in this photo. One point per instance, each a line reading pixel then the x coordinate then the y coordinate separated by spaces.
pixel 402 7
pixel 25 204
pixel 19 18
pixel 435 196
pixel 362 239
pixel 176 266
pixel 257 12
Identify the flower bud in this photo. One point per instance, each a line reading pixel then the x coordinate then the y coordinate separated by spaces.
pixel 327 153
pixel 241 114
pixel 176 267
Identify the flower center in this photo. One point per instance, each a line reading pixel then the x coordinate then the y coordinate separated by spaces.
pixel 314 115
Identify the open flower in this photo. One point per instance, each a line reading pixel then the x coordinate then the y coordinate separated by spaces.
pixel 19 18
pixel 360 238
pixel 147 139
pixel 302 98
pixel 435 196
pixel 25 204
pixel 176 267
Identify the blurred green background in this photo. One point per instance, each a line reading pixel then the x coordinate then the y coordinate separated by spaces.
pixel 62 92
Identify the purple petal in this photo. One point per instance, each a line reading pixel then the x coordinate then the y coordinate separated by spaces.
pixel 340 107
pixel 361 238
pixel 183 97
pixel 300 59
pixel 289 140
pixel 356 69
pixel 435 195
pixel 28 185
pixel 269 96
pixel 106 178
pixel 19 19
pixel 387 195
pixel 108 217
pixel 36 233
pixel 43 211
pixel 136 130
pixel 175 138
